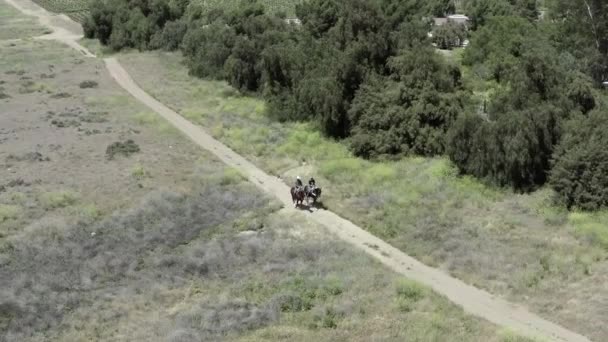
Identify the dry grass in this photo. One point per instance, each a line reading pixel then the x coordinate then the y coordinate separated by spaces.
pixel 13 25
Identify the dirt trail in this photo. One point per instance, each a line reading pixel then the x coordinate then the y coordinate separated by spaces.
pixel 472 299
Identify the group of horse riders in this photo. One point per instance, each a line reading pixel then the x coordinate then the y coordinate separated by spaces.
pixel 309 191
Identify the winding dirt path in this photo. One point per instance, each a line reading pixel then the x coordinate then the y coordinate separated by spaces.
pixel 472 299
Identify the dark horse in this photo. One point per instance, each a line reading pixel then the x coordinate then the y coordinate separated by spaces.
pixel 312 192
pixel 297 196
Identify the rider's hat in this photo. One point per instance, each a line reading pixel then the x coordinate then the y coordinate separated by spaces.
pixel 298 177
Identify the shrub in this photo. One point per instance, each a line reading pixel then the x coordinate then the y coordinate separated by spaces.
pixel 8 212
pixel 410 290
pixel 88 84
pixel 138 172
pixel 126 149
pixel 59 199
pixel 231 176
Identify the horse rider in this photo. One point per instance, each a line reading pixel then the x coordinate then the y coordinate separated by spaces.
pixel 298 183
pixel 311 187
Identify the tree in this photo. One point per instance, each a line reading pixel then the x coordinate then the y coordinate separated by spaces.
pixel 580 167
pixel 583 30
pixel 499 44
pixel 409 112
pixel 207 47
pixel 441 8
pixel 514 145
pixel 480 11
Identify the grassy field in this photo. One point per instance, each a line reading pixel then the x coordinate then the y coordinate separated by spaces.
pixel 519 246
pixel 13 26
pixel 131 233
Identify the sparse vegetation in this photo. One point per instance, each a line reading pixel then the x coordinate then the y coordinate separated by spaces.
pixel 125 149
pixel 8 212
pixel 57 199
pixel 139 173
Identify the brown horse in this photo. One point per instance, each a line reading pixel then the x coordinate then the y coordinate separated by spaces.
pixel 312 192
pixel 297 196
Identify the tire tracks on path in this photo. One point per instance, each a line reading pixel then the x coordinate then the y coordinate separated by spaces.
pixel 473 300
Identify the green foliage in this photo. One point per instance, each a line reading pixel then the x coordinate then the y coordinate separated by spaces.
pixel 591 226
pixel 411 111
pixel 580 168
pixel 583 31
pixel 58 199
pixel 441 8
pixel 408 293
pixel 121 24
pixel 480 11
pixel 9 212
pixel 512 142
pixel 171 36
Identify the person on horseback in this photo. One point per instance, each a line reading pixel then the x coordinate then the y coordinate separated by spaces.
pixel 298 183
pixel 311 187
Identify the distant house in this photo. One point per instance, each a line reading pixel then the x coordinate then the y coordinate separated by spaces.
pixel 440 21
pixel 455 37
pixel 458 19
pixel 454 18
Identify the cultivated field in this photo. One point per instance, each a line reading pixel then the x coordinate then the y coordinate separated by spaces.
pixel 113 227
pixel 519 246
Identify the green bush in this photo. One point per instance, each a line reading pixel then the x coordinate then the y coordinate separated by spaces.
pixel 408 293
pixel 58 199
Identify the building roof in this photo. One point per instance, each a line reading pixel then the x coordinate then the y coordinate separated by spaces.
pixel 458 16
pixel 440 21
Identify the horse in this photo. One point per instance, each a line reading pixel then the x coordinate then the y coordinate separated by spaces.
pixel 297 196
pixel 312 192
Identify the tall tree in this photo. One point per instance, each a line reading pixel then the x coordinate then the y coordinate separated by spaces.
pixel 583 30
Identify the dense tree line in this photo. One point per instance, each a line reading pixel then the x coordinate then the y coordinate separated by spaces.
pixel 366 71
